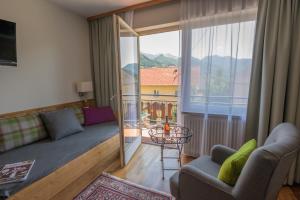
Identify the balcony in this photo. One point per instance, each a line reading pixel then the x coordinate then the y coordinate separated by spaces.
pixel 155 107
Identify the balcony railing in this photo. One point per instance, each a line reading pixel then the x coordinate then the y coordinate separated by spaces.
pixel 154 108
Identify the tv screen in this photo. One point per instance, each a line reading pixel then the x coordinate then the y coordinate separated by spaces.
pixel 8 52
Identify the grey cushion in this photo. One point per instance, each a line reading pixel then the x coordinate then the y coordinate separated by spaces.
pixel 50 155
pixel 219 153
pixel 195 184
pixel 206 165
pixel 61 123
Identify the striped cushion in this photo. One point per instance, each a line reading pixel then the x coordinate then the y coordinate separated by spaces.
pixel 79 113
pixel 18 131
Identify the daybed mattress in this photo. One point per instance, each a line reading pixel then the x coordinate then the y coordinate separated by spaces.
pixel 50 155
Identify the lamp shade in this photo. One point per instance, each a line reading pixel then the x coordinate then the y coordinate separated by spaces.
pixel 85 86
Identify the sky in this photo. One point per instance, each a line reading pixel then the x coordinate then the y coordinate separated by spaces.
pixel 234 40
pixel 161 43
pixel 128 47
pixel 205 41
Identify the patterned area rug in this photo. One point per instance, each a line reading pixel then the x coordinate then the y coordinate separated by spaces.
pixel 108 187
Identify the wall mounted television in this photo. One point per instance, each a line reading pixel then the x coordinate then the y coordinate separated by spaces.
pixel 8 47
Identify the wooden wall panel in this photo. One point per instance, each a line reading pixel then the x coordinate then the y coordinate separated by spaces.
pixel 90 102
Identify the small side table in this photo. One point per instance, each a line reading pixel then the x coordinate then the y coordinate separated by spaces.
pixel 178 135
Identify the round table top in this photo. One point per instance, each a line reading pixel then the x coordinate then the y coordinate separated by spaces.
pixel 178 134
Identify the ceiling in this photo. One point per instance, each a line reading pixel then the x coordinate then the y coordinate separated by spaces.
pixel 89 8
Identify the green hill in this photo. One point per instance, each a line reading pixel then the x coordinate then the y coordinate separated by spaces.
pixel 148 62
pixel 161 60
pixel 166 61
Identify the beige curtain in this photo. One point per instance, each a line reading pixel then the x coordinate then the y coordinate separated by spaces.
pixel 105 60
pixel 128 17
pixel 214 91
pixel 275 80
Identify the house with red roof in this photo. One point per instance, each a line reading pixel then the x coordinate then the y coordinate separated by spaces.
pixel 159 89
pixel 159 81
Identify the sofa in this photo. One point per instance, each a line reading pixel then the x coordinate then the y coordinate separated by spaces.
pixel 261 178
pixel 49 155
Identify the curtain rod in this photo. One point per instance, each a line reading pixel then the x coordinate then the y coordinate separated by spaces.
pixel 129 8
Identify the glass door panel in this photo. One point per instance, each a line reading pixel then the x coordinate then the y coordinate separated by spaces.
pixel 130 90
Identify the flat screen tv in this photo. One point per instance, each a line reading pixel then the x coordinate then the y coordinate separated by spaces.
pixel 8 51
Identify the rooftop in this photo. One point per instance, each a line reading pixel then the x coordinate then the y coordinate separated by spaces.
pixel 159 76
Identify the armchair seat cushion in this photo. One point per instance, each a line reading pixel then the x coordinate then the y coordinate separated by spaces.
pixel 205 164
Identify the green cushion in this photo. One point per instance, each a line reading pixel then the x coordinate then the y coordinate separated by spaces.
pixel 79 113
pixel 233 165
pixel 18 131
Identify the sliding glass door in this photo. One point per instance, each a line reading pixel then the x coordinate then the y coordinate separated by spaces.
pixel 130 91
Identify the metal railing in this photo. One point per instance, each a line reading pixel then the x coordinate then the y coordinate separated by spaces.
pixel 154 107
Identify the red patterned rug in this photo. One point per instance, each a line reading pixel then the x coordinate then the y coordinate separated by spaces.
pixel 108 187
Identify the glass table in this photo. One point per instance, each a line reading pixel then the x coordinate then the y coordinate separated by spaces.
pixel 177 136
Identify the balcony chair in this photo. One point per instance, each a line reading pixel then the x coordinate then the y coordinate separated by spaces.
pixel 261 178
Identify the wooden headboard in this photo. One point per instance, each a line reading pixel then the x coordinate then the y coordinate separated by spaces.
pixel 90 102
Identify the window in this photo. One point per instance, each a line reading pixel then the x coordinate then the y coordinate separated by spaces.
pixel 219 69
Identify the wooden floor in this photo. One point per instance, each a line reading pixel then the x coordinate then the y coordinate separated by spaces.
pixel 145 169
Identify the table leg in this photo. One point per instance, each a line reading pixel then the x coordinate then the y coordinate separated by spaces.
pixel 162 161
pixel 178 148
pixel 161 152
pixel 180 151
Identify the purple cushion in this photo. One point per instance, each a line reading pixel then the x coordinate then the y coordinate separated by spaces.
pixel 95 115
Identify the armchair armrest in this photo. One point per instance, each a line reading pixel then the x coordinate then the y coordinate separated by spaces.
pixel 219 153
pixel 198 185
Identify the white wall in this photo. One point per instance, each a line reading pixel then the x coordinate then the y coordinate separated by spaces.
pixel 52 52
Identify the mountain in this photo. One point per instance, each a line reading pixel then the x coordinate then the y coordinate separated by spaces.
pixel 220 63
pixel 159 60
pixel 171 56
pixel 147 61
pixel 223 63
pixel 148 55
pixel 166 61
pixel 131 68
